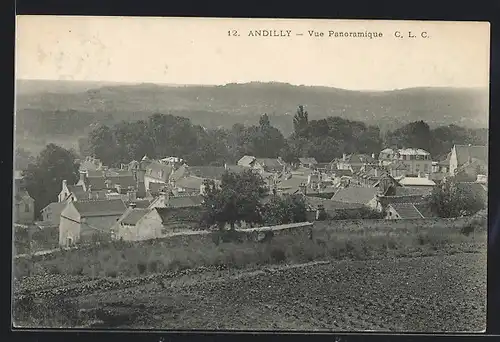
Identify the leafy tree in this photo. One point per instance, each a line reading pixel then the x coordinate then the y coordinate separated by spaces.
pixel 301 122
pixel 44 178
pixel 264 122
pixel 102 145
pixel 285 209
pixel 236 199
pixel 451 200
pixel 415 134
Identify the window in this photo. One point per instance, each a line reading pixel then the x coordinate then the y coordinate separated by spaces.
pixel 26 207
pixel 426 167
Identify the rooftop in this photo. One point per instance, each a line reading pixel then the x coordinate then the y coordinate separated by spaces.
pixel 355 194
pixel 184 201
pixel 246 160
pixel 88 208
pixel 311 161
pixel 464 152
pixel 416 181
pixel 207 172
pixel 407 210
pixel 132 216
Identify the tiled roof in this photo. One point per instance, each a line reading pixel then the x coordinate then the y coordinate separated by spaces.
pixel 190 182
pixel 331 205
pixel 132 216
pixel 413 151
pixel 270 163
pixel 340 173
pixel 416 181
pixel 124 181
pixel 96 183
pixel 386 200
pixel 237 168
pixel 156 187
pixel 100 207
pixel 142 203
pixel 311 161
pixel 179 173
pixel 207 172
pixel 55 207
pixel 184 201
pixel 425 210
pixel 246 161
pixel 408 191
pixel 75 189
pixel 355 194
pixel 406 210
pixel 465 151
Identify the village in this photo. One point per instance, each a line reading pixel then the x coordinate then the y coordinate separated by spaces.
pixel 150 199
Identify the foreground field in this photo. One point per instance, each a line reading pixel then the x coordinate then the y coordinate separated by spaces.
pixel 438 293
pixel 434 293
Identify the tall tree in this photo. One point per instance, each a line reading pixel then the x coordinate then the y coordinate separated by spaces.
pixel 44 178
pixel 264 122
pixel 415 134
pixel 301 122
pixel 102 145
pixel 237 199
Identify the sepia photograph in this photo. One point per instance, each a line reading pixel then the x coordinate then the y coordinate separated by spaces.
pixel 227 174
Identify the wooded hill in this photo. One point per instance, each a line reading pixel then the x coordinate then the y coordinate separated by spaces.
pixel 70 107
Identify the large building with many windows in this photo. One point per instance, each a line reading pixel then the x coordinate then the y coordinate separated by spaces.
pixel 415 160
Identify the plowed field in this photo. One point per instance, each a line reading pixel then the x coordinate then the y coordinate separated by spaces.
pixel 436 293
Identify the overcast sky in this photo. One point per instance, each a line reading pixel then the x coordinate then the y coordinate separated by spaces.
pixel 199 51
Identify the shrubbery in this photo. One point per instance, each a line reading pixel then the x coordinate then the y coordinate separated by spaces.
pixel 128 259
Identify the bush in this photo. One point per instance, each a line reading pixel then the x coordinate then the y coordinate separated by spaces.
pixel 278 255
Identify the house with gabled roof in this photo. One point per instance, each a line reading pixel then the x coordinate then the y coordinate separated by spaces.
pixel 83 220
pixel 24 207
pixel 165 216
pixel 246 161
pixel 461 154
pixel 268 165
pixel 403 211
pixel 157 172
pixel 207 172
pixel 72 192
pixel 51 214
pixel 308 162
pixel 168 200
pixel 355 194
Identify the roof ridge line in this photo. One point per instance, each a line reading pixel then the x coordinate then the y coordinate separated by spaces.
pixel 418 211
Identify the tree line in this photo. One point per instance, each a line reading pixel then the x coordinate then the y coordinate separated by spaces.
pixel 325 139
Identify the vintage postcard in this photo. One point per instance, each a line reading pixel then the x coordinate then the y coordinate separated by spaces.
pixel 250 174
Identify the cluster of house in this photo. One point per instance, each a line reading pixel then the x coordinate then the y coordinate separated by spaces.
pixel 154 198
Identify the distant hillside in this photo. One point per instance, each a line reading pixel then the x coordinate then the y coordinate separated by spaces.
pixel 213 106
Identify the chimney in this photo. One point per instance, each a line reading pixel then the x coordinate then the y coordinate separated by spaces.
pixel 64 184
pixel 83 175
pixel 373 155
pixel 344 157
pixel 225 166
pixel 132 195
pixel 303 188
